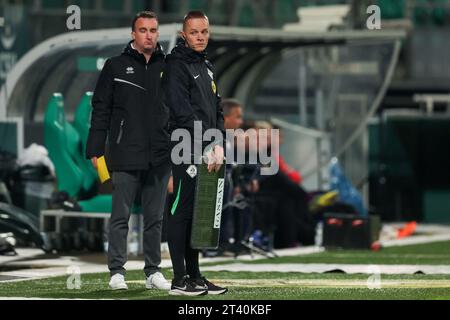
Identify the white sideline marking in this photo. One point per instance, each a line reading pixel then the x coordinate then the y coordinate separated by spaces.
pixel 325 267
pixel 415 240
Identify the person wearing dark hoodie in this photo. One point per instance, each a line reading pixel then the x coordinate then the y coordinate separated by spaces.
pixel 191 95
pixel 129 126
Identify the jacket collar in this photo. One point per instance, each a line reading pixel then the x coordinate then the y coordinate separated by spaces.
pixel 157 54
pixel 183 52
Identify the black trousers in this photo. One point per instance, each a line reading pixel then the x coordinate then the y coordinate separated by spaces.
pixel 185 260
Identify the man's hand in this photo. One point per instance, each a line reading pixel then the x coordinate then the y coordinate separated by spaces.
pixel 254 187
pixel 94 162
pixel 170 185
pixel 210 160
pixel 219 157
pixel 214 158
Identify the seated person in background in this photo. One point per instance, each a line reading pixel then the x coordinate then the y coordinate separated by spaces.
pixel 240 184
pixel 282 206
pixel 232 113
pixel 291 173
pixel 245 185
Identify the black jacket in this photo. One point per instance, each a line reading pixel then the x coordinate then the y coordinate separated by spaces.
pixel 128 108
pixel 190 92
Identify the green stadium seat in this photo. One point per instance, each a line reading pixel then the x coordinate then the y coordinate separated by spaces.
pixel 246 16
pixel 392 9
pixel 69 175
pixel 197 5
pixel 99 203
pixel 52 4
pixel 66 144
pixel 81 124
pixel 137 5
pixel 287 10
pixel 113 5
pixel 64 147
pixel 430 12
pixel 439 12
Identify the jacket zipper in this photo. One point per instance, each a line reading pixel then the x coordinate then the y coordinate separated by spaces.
pixel 145 77
pixel 119 137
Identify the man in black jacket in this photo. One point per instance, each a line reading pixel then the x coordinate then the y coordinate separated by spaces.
pixel 128 109
pixel 191 94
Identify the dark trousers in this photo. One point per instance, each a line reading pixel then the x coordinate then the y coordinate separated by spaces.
pixel 185 260
pixel 283 209
pixel 153 186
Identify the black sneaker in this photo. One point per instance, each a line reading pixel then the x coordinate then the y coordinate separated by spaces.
pixel 186 288
pixel 204 283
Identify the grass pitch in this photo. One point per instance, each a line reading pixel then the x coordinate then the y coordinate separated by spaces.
pixel 275 285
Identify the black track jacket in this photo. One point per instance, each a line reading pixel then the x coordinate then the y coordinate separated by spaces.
pixel 128 108
pixel 190 90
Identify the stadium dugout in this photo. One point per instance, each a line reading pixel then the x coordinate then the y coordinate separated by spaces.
pixel 244 58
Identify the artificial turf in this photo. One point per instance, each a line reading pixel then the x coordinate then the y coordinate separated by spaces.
pixel 275 285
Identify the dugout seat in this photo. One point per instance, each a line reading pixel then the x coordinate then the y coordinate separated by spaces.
pixel 63 143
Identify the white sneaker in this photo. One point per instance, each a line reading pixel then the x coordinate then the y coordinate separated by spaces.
pixel 117 282
pixel 157 281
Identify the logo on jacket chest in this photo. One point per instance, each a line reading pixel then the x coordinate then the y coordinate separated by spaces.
pixel 129 70
pixel 213 84
pixel 192 171
pixel 211 74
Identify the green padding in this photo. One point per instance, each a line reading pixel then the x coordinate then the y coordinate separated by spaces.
pixel 436 206
pixel 8 137
pixel 100 203
pixel 61 147
pixel 82 123
pixel 397 145
pixel 207 208
pixel 103 203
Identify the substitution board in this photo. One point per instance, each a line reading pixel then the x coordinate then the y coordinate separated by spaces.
pixel 207 208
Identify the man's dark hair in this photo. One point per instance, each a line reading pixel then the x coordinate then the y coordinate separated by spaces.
pixel 143 14
pixel 229 104
pixel 196 14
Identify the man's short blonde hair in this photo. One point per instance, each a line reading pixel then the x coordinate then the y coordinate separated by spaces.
pixel 196 14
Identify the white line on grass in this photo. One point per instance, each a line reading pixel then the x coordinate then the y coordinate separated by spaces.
pixel 326 267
